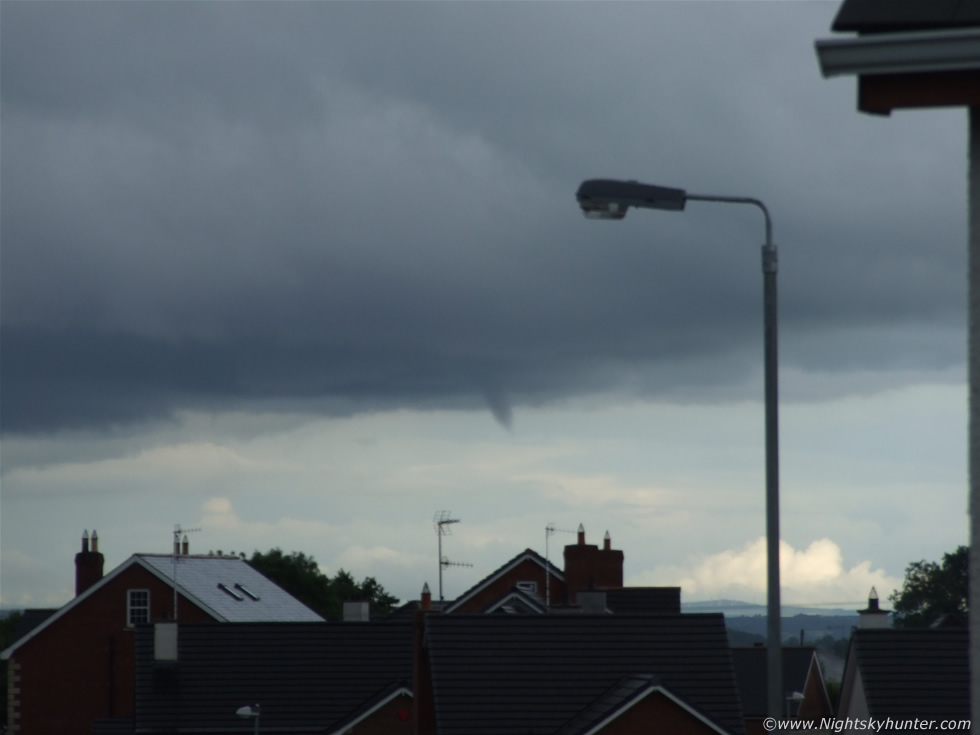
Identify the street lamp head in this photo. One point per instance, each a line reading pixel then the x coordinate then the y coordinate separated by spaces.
pixel 248 711
pixel 609 199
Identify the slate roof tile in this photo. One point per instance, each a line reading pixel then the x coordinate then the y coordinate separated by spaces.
pixel 230 588
pixel 914 673
pixel 532 674
pixel 752 672
pixel 877 16
pixel 310 676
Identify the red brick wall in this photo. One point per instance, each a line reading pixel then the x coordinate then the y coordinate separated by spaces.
pixel 587 567
pixel 394 718
pixel 526 571
pixel 80 668
pixel 659 714
pixel 816 704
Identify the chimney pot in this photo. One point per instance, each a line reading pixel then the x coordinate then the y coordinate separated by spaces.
pixel 426 602
pixel 185 546
pixel 88 564
pixel 873 616
pixel 581 534
pixel 607 542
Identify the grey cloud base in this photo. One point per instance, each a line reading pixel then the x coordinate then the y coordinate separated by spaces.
pixel 350 207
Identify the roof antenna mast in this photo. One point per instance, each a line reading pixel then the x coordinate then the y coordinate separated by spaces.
pixel 178 533
pixel 549 531
pixel 442 521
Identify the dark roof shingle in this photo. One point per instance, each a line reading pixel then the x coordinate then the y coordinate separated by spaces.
pixel 309 676
pixel 914 673
pixel 879 16
pixel 752 672
pixel 495 675
pixel 644 600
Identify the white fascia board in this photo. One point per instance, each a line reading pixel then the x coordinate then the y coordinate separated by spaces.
pixel 69 606
pixel 643 694
pixel 169 581
pixel 487 581
pixel 901 53
pixel 349 725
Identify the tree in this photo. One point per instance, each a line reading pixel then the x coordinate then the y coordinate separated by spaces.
pixel 931 590
pixel 301 577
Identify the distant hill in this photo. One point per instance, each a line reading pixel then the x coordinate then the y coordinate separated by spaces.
pixel 736 608
pixel 750 619
pixel 741 638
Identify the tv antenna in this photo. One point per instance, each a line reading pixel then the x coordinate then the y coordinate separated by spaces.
pixel 549 531
pixel 180 535
pixel 443 521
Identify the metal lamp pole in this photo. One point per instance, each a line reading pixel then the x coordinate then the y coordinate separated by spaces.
pixel 609 199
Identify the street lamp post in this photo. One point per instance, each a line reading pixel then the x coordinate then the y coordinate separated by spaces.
pixel 252 712
pixel 609 199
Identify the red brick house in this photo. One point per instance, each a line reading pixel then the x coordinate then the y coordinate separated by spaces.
pixel 529 583
pixel 574 674
pixel 77 665
pixel 801 677
pixel 307 678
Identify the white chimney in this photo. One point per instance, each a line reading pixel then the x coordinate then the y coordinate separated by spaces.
pixel 873 616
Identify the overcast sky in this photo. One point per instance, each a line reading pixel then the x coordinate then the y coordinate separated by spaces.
pixel 304 274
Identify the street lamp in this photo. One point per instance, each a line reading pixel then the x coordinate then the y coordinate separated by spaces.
pixel 252 711
pixel 609 199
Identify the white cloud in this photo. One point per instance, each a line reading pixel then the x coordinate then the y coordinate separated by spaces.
pixel 816 574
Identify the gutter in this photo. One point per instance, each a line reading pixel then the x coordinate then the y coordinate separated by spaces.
pixel 900 53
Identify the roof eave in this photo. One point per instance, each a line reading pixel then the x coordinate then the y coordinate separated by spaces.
pixel 68 606
pixel 900 53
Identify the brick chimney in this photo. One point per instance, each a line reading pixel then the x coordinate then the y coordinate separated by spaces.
pixel 587 567
pixel 423 704
pixel 88 563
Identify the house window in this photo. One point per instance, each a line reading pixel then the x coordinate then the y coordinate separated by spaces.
pixel 528 586
pixel 137 607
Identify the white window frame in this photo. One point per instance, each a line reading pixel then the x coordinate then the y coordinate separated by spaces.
pixel 132 606
pixel 527 586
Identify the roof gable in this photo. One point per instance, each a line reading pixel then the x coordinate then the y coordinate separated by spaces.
pixel 751 672
pixel 198 578
pixel 517 601
pixel 307 676
pixel 501 572
pixel 372 706
pixel 534 673
pixel 620 699
pixel 68 607
pixel 875 16
pixel 229 589
pixel 913 673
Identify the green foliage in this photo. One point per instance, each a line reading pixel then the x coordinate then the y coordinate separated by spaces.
pixel 301 577
pixel 931 590
pixel 833 693
pixel 838 646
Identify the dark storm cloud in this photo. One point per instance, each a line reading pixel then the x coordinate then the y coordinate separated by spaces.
pixel 354 206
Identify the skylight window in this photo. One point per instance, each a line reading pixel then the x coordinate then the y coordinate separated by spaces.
pixel 246 590
pixel 229 591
